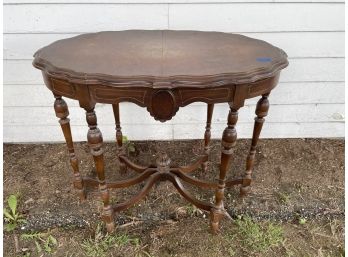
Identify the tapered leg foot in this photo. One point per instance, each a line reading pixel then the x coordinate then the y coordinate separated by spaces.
pixel 78 185
pixel 244 190
pixel 216 216
pixel 110 227
pixel 205 166
pixel 108 219
pixel 82 195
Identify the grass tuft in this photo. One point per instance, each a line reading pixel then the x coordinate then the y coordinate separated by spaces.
pixel 282 197
pixel 258 237
pixel 101 244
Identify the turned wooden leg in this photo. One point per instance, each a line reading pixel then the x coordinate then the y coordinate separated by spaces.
pixel 95 141
pixel 229 138
pixel 207 135
pixel 261 112
pixel 119 136
pixel 62 112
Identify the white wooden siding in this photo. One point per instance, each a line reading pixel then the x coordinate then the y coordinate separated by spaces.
pixel 309 101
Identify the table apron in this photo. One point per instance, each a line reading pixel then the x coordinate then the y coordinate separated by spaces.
pixel 161 102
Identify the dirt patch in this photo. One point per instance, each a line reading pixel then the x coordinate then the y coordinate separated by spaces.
pixel 294 179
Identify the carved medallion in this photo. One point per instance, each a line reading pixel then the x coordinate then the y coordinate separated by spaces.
pixel 163 105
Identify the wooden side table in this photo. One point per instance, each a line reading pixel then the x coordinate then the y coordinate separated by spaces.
pixel 162 71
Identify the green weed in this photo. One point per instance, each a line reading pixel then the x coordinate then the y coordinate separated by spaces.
pixel 129 146
pixel 257 237
pixel 282 197
pixel 192 210
pixel 101 244
pixel 302 221
pixel 44 242
pixel 11 216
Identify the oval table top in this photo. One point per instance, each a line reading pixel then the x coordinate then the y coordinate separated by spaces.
pixel 161 55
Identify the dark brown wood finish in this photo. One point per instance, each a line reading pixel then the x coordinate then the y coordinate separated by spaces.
pixel 207 134
pixel 119 136
pixel 62 112
pixel 229 138
pixel 95 142
pixel 162 71
pixel 261 112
